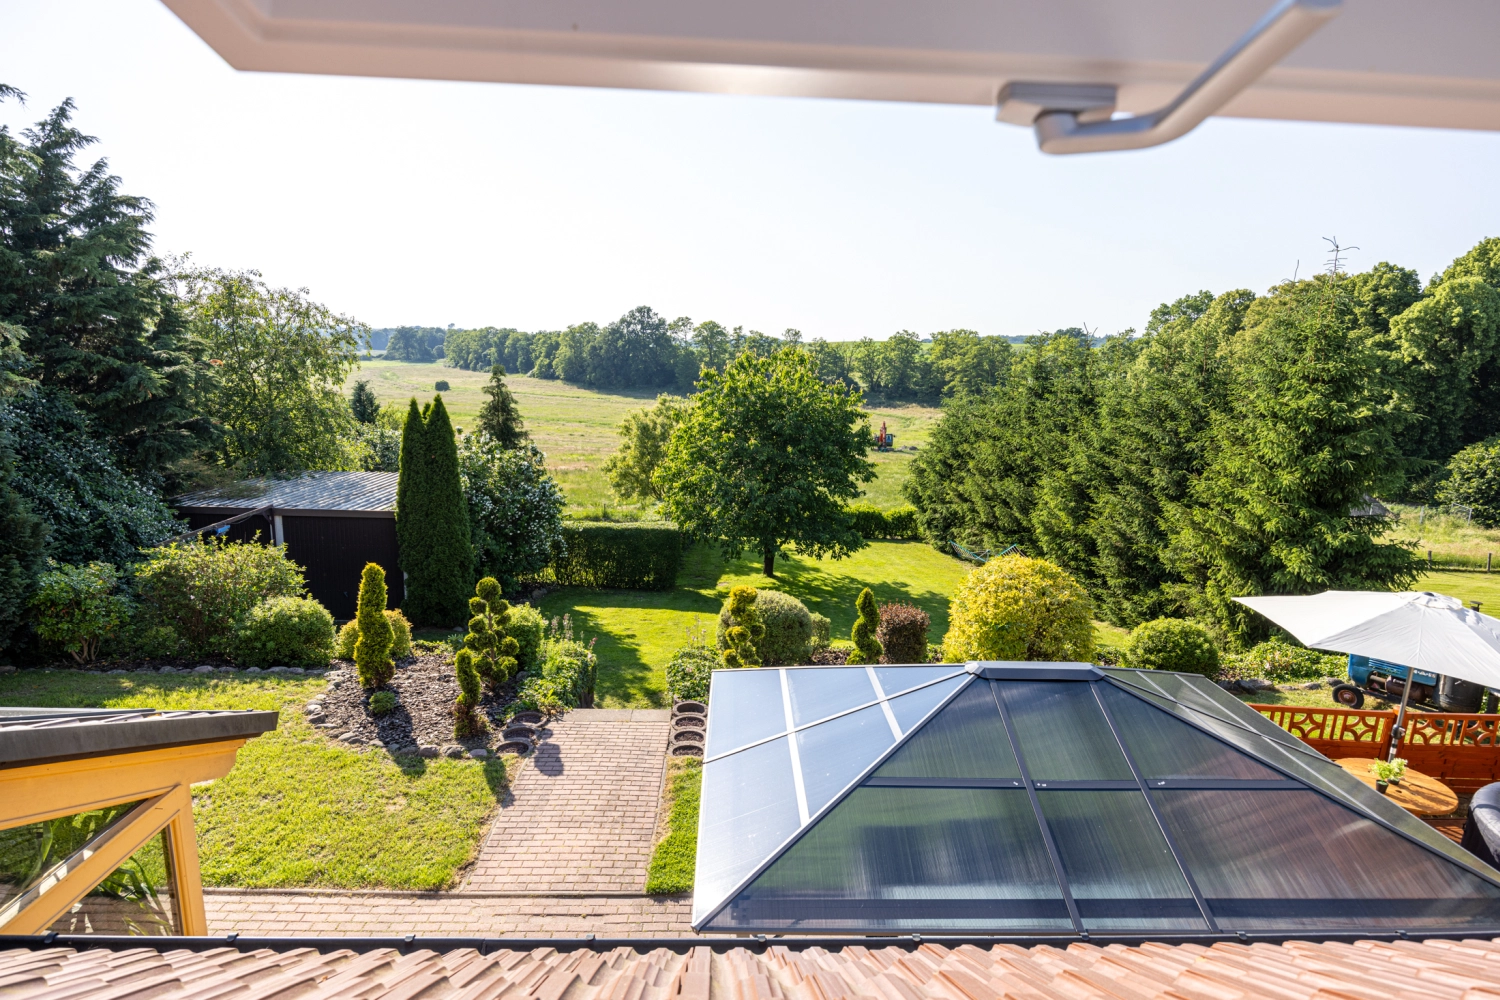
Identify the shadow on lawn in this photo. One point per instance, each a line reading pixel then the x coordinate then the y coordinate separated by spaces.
pixel 831 592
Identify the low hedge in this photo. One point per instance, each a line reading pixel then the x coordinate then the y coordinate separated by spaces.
pixel 602 554
pixel 898 524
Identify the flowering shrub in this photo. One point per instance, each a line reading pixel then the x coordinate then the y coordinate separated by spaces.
pixel 566 678
pixel 1015 608
pixel 515 509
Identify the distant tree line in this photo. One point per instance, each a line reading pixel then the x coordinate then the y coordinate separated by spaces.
pixel 1231 449
pixel 644 350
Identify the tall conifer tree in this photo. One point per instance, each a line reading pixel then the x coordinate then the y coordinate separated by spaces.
pixel 432 521
pixel 499 417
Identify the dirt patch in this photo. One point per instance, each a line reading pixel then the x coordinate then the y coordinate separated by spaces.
pixel 422 721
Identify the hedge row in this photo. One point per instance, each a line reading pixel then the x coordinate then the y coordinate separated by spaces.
pixel 871 522
pixel 625 556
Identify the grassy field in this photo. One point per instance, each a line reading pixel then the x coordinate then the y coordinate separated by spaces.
pixel 576 428
pixel 298 810
pixel 1452 540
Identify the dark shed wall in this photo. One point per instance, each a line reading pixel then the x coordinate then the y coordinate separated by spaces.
pixel 333 552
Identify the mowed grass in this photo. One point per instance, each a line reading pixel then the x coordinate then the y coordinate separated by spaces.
pixel 636 631
pixel 674 860
pixel 578 429
pixel 298 810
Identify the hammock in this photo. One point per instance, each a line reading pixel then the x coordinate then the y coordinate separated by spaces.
pixel 984 555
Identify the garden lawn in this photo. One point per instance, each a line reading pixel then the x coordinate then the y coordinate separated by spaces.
pixel 674 860
pixel 1466 586
pixel 298 810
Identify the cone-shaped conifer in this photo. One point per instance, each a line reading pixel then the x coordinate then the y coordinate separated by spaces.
pixel 432 520
pixel 499 417
pixel 372 652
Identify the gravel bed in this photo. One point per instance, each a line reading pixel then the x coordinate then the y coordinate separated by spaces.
pixel 422 721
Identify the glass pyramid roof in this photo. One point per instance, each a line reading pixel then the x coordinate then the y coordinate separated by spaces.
pixel 1036 798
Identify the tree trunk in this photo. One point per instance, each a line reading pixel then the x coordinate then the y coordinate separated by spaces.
pixel 768 559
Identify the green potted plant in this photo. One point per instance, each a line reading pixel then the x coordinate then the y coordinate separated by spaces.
pixel 1382 770
pixel 1398 770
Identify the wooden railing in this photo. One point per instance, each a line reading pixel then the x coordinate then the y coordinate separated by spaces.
pixel 1461 750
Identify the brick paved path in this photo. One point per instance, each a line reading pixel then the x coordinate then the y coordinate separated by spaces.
pixel 581 813
pixel 566 855
pixel 300 913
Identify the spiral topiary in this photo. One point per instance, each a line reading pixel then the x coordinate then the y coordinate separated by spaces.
pixel 745 629
pixel 372 653
pixel 867 648
pixel 494 652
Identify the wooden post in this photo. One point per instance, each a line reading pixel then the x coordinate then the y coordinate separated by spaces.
pixel 187 882
pixel 1429 559
pixel 1487 556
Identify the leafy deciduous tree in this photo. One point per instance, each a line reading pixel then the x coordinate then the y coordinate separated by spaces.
pixel 768 454
pixel 644 435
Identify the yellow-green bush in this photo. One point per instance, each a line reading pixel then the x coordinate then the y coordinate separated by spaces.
pixel 1173 644
pixel 400 637
pixel 1015 608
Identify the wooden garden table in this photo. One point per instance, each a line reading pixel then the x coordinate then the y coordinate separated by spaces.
pixel 1417 794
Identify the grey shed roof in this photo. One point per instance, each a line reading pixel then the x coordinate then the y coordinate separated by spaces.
pixel 35 735
pixel 311 491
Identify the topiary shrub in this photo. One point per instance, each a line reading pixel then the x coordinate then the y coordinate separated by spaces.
pixel 789 629
pixel 372 650
pixel 1172 644
pixel 526 626
pixel 201 589
pixel 78 607
pixel 294 631
pixel 1015 608
pixel 867 648
pixel 744 629
pixel 822 632
pixel 383 702
pixel 466 718
pixel 400 637
pixel 494 652
pixel 903 633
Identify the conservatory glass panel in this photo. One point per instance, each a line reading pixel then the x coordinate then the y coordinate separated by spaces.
pixel 910 858
pixel 743 706
pixel 1062 733
pixel 911 709
pixel 894 680
pixel 1267 860
pixel 1166 747
pixel 1118 865
pixel 749 809
pixel 836 752
pixel 1206 704
pixel 818 692
pixel 965 740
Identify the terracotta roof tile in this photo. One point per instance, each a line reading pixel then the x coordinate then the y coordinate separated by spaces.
pixel 1297 970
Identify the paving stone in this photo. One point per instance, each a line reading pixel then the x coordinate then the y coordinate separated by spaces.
pixel 581 811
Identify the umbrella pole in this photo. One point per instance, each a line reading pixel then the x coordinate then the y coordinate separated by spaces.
pixel 1400 728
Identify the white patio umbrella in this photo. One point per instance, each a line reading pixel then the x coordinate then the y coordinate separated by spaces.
pixel 1418 629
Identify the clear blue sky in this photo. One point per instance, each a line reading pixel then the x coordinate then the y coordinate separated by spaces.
pixel 402 201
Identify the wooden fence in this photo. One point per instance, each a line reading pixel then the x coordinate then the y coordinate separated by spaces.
pixel 1460 750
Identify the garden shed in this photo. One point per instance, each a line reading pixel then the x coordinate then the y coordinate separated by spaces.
pixel 331 523
pixel 1042 799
